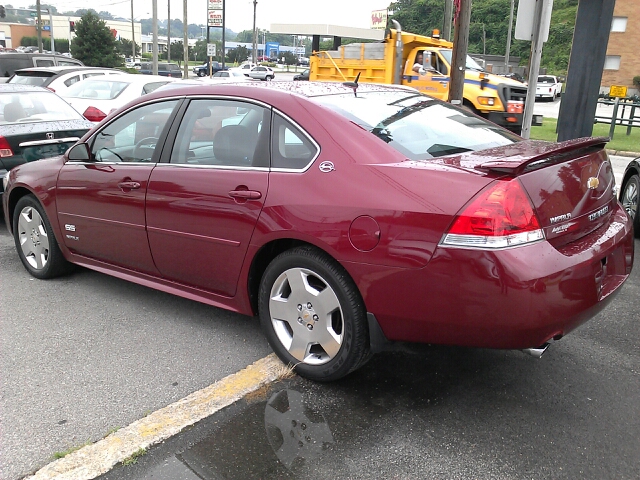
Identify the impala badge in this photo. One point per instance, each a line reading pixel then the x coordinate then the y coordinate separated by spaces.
pixel 49 135
pixel 593 183
pixel 326 167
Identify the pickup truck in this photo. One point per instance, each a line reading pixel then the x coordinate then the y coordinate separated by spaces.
pixel 548 87
pixel 203 70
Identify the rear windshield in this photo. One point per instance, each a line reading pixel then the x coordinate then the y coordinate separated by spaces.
pixel 31 78
pixel 34 107
pixel 546 80
pixel 99 89
pixel 418 126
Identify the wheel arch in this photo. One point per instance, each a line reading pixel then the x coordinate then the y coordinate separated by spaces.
pixel 632 169
pixel 14 197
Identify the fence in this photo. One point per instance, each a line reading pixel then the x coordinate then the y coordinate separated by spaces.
pixel 626 117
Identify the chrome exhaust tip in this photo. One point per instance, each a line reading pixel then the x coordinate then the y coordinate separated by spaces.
pixel 536 352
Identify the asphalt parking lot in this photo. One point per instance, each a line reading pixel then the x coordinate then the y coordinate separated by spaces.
pixel 86 354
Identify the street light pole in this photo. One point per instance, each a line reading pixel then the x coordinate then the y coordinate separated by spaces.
pixel 185 38
pixel 133 37
pixel 154 20
pixel 507 54
pixel 168 30
pixel 254 46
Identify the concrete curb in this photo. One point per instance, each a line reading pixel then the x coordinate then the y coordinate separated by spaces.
pixel 622 153
pixel 98 458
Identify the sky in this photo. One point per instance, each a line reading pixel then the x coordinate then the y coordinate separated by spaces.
pixel 239 13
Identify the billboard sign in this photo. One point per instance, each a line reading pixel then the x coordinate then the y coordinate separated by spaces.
pixel 215 5
pixel 215 18
pixel 378 19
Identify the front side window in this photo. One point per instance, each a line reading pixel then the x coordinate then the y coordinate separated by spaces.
pixel 223 133
pixel 133 136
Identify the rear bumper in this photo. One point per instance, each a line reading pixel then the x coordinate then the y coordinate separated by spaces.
pixel 513 299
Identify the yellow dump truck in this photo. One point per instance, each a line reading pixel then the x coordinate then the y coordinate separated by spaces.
pixel 423 63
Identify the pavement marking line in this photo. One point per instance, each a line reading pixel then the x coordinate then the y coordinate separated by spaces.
pixel 98 458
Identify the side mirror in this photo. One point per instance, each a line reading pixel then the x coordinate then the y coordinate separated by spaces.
pixel 79 153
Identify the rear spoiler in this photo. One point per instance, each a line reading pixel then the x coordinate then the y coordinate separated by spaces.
pixel 535 155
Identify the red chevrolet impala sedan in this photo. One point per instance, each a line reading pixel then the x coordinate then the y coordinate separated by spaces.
pixel 345 216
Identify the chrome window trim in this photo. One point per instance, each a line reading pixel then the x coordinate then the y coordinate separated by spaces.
pixel 37 143
pixel 214 167
pixel 82 162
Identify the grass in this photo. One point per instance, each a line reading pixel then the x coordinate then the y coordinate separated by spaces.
pixel 66 452
pixel 133 458
pixel 620 141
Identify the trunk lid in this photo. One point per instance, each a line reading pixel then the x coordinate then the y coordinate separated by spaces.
pixel 570 184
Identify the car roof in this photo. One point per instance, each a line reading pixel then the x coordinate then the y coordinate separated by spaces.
pixel 130 78
pixel 61 69
pixel 19 88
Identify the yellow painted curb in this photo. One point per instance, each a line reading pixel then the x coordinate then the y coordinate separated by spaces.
pixel 98 458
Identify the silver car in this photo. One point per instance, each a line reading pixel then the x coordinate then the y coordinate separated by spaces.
pixel 262 73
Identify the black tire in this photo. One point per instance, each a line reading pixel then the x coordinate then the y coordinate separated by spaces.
pixel 340 343
pixel 35 242
pixel 201 73
pixel 630 200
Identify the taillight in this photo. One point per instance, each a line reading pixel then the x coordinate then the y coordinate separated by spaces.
pixel 5 148
pixel 49 88
pixel 93 114
pixel 500 216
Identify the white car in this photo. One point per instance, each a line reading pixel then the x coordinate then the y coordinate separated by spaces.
pixel 245 68
pixel 262 73
pixel 96 97
pixel 58 79
pixel 230 76
pixel 548 86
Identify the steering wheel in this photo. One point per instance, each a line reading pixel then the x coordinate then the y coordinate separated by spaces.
pixel 144 148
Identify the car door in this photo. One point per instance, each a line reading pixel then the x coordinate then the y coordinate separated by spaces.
pixel 101 201
pixel 205 196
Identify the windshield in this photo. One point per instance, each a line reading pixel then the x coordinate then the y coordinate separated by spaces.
pixel 418 126
pixel 100 89
pixel 33 107
pixel 471 63
pixel 29 79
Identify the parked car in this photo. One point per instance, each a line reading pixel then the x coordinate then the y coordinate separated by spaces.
pixel 230 76
pixel 171 70
pixel 96 97
pixel 630 193
pixel 343 221
pixel 302 76
pixel 244 68
pixel 203 70
pixel 35 123
pixel 262 73
pixel 58 79
pixel 548 87
pixel 12 61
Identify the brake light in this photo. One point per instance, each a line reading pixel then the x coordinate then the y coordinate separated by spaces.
pixel 5 148
pixel 499 216
pixel 93 114
pixel 49 88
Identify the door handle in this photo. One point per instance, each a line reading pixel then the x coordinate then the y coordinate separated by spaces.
pixel 245 194
pixel 129 185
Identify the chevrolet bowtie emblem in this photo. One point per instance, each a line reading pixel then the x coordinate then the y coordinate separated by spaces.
pixel 593 183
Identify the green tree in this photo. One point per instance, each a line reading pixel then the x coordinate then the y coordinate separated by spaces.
pixel 238 54
pixel 94 44
pixel 124 47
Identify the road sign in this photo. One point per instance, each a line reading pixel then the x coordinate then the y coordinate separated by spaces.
pixel 211 49
pixel 33 14
pixel 46 28
pixel 618 91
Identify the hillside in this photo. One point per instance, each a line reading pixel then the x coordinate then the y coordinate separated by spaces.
pixel 422 16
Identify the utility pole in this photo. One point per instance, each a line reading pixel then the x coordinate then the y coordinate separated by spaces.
pixel 507 54
pixel 224 27
pixel 460 44
pixel 168 30
pixel 39 27
pixel 185 38
pixel 133 37
pixel 154 20
pixel 534 67
pixel 448 17
pixel 255 42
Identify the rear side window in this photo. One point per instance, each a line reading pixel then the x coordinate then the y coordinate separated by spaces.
pixel 68 63
pixel 71 80
pixel 44 62
pixel 290 147
pixel 150 87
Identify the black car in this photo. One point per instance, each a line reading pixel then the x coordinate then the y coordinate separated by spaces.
pixel 35 123
pixel 203 70
pixel 302 76
pixel 630 193
pixel 164 69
